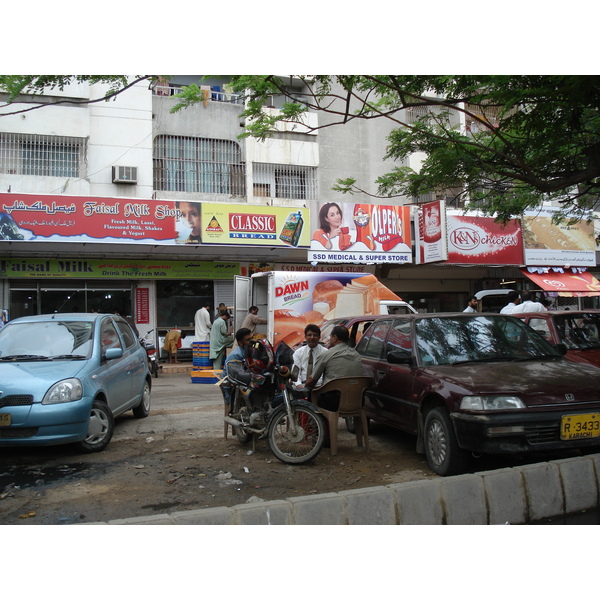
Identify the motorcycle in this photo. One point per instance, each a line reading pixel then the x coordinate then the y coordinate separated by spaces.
pixel 151 353
pixel 263 405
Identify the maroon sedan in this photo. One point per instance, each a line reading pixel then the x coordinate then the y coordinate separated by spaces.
pixel 356 326
pixel 477 383
pixel 578 330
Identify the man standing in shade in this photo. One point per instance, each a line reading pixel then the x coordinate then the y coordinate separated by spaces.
pixel 471 305
pixel 251 320
pixel 219 340
pixel 513 300
pixel 202 324
pixel 528 305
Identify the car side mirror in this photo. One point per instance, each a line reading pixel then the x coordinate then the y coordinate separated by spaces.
pixel 113 353
pixel 561 348
pixel 399 357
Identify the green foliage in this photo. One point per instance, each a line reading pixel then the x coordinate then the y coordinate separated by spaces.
pixel 536 138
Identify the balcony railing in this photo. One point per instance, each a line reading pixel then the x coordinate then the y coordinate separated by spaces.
pixel 211 93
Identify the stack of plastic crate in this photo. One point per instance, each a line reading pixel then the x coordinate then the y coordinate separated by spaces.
pixel 203 371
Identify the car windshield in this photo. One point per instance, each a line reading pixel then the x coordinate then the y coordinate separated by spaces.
pixel 455 340
pixel 579 331
pixel 46 339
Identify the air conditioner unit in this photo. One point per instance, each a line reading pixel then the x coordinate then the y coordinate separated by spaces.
pixel 124 174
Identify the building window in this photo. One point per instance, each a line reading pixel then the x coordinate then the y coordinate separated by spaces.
pixel 41 155
pixel 284 181
pixel 189 164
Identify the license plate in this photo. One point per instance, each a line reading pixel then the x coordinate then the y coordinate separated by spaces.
pixel 578 427
pixel 5 419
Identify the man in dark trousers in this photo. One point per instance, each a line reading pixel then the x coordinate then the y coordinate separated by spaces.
pixel 339 361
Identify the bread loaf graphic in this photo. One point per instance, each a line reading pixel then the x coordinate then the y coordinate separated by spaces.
pixel 360 297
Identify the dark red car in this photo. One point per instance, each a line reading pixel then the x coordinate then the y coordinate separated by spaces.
pixel 477 383
pixel 578 330
pixel 356 326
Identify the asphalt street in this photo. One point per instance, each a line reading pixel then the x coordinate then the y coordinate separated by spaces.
pixel 184 407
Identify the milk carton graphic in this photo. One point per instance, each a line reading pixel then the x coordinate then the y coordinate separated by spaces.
pixel 292 229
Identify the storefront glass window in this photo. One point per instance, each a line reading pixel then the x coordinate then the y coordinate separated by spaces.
pixel 23 303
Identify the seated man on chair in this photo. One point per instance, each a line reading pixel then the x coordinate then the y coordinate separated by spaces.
pixel 339 361
pixel 303 361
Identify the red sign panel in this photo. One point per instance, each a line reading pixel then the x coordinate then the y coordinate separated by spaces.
pixel 82 218
pixel 142 305
pixel 480 240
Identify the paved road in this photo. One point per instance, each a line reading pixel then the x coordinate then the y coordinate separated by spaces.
pixel 183 405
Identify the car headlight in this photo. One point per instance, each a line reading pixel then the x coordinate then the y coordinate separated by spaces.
pixel 491 403
pixel 67 390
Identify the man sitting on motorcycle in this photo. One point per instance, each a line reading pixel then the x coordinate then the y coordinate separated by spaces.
pixel 234 363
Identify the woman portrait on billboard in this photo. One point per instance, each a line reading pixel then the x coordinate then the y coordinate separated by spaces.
pixel 330 227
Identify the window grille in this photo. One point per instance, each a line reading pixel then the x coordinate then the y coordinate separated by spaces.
pixel 41 155
pixel 285 181
pixel 190 164
pixel 450 117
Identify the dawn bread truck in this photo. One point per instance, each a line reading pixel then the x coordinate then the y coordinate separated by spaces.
pixel 291 300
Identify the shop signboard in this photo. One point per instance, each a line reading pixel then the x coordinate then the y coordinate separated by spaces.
pixel 360 233
pixel 243 225
pixel 91 268
pixel 35 217
pixel 480 240
pixel 430 233
pixel 557 244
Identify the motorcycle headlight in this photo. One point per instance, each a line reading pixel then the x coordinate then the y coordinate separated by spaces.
pixel 492 403
pixel 67 390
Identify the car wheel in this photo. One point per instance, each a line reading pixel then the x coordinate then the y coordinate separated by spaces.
pixel 101 427
pixel 142 410
pixel 441 447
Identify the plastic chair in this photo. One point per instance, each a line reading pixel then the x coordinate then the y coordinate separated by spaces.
pixel 351 390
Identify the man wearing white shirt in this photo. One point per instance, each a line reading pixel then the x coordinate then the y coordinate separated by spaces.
pixel 513 300
pixel 528 305
pixel 202 324
pixel 302 356
pixel 471 305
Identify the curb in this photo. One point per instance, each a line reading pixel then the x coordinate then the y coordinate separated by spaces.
pixel 515 496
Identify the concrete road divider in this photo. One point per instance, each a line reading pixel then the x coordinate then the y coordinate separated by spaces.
pixel 517 495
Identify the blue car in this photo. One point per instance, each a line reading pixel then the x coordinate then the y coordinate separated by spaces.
pixel 64 377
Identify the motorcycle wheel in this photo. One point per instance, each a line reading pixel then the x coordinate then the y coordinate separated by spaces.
pixel 155 368
pixel 308 440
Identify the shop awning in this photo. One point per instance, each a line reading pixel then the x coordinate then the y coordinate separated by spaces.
pixel 566 284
